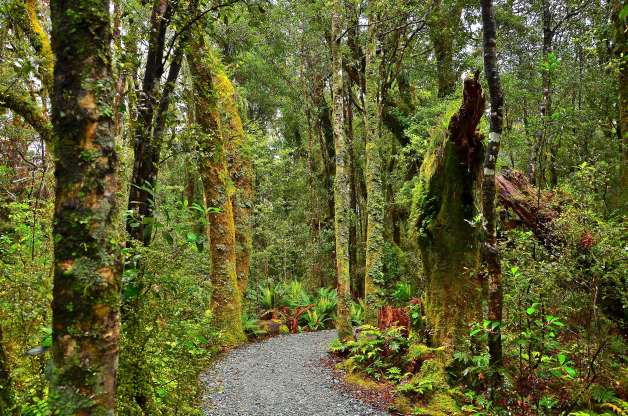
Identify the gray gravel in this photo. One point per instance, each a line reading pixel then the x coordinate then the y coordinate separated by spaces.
pixel 281 376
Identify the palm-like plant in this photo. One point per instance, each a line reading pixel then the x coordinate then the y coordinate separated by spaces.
pixel 295 295
pixel 270 300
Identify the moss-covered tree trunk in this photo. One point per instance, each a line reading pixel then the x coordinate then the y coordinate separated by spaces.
pixel 374 269
pixel 7 391
pixel 208 78
pixel 490 252
pixel 86 294
pixel 341 185
pixel 20 102
pixel 621 54
pixel 445 209
pixel 546 104
pixel 240 172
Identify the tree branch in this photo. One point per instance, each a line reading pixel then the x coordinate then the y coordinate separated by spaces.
pixel 29 111
pixel 194 20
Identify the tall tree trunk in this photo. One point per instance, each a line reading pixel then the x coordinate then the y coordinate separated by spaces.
pixel 241 174
pixel 353 218
pixel 7 392
pixel 341 185
pixel 86 294
pixel 148 130
pixel 152 107
pixel 374 269
pixel 208 79
pixel 445 206
pixel 546 111
pixel 38 38
pixel 621 53
pixel 314 278
pixel 491 253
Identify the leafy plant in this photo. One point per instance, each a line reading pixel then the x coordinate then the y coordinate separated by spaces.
pixel 394 374
pixel 270 300
pixel 38 407
pixel 294 295
pixel 402 293
pixel 357 312
pixel 417 386
pixel 313 321
pixel 251 325
pixel 374 352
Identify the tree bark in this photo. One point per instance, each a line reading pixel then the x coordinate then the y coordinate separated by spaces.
pixel 151 122
pixel 7 392
pixel 445 209
pixel 374 269
pixel 621 53
pixel 341 184
pixel 491 253
pixel 86 294
pixel 208 79
pixel 240 172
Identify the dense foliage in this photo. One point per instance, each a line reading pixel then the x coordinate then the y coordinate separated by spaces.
pixel 251 158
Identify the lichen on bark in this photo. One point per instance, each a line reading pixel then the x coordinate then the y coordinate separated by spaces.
pixel 86 294
pixel 226 300
pixel 341 183
pixel 240 172
pixel 374 270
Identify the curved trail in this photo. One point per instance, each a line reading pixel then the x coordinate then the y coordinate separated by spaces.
pixel 281 376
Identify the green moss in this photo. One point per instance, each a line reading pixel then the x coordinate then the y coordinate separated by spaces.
pixel 444 217
pixel 441 404
pixel 430 387
pixel 421 352
pixel 361 381
pixel 402 405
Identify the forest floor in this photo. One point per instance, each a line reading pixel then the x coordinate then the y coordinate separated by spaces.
pixel 282 376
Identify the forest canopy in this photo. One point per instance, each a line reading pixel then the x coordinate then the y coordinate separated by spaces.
pixel 444 183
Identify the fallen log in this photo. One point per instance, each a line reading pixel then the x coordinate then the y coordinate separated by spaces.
pixel 535 211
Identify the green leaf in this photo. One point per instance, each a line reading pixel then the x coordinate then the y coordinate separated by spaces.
pixel 570 371
pixel 130 292
pixel 561 358
pixel 191 237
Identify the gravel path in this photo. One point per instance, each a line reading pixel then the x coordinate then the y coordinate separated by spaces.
pixel 281 376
